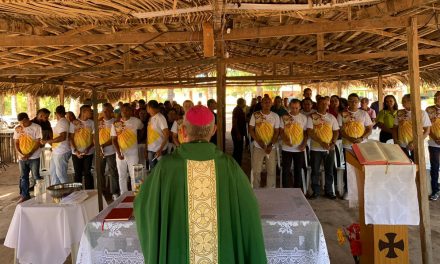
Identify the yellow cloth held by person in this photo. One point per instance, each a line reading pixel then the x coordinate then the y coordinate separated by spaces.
pixel 104 135
pixel 435 128
pixel 152 135
pixel 83 138
pixel 354 129
pixel 405 132
pixel 294 133
pixel 126 139
pixel 26 144
pixel 55 145
pixel 265 132
pixel 324 132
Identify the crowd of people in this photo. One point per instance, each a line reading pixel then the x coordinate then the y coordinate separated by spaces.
pixel 142 133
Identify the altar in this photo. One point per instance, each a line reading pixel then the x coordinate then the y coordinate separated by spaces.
pixel 292 232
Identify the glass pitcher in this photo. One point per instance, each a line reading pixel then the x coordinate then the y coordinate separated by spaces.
pixel 138 178
pixel 39 190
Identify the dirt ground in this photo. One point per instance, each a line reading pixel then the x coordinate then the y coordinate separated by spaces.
pixel 331 213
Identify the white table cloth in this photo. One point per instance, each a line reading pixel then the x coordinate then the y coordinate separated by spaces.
pixel 391 195
pixel 43 233
pixel 291 230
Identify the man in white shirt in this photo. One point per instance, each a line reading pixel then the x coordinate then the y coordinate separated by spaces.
pixel 81 133
pixel 61 151
pixel 264 128
pixel 108 150
pixel 402 130
pixel 356 126
pixel 176 129
pixel 323 130
pixel 124 138
pixel 27 136
pixel 157 134
pixel 293 131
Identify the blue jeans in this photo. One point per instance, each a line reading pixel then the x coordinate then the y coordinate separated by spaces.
pixel 83 169
pixel 58 168
pixel 434 156
pixel 328 157
pixel 25 167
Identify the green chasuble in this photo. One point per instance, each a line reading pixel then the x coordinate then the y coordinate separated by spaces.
pixel 197 207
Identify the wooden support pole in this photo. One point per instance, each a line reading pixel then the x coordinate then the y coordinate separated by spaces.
pixel 98 155
pixel 208 40
pixel 320 47
pixel 61 95
pixel 339 89
pixel 416 116
pixel 221 99
pixel 380 91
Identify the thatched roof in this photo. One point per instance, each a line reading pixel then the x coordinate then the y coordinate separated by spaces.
pixel 115 45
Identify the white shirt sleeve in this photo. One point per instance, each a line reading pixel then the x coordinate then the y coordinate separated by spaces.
pixel 92 126
pixel 113 131
pixel 174 127
pixel 281 123
pixel 64 126
pixel 277 121
pixel 335 125
pixel 162 123
pixel 71 128
pixel 309 122
pixel 38 133
pixel 304 121
pixel 339 121
pixel 367 119
pixel 252 121
pixel 426 122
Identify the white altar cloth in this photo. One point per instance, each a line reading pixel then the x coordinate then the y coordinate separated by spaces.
pixel 43 233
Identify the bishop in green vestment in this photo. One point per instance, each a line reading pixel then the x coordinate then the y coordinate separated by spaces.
pixel 197 205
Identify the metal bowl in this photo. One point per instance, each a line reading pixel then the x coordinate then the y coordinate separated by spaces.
pixel 59 191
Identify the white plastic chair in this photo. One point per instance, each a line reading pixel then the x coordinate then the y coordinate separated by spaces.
pixel 278 153
pixel 340 168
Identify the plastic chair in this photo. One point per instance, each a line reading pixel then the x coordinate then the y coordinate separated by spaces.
pixel 278 153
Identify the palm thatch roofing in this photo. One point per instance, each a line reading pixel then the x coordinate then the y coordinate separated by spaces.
pixel 114 45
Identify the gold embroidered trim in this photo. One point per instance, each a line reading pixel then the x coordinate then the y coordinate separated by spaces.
pixel 202 212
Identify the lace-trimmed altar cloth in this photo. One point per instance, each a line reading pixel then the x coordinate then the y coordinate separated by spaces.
pixel 292 233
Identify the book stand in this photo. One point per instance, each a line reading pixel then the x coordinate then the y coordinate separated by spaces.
pixel 380 243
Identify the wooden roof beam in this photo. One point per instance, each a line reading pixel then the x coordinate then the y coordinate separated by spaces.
pixel 334 57
pixel 186 37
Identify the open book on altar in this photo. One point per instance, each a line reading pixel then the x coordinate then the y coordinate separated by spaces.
pixel 376 153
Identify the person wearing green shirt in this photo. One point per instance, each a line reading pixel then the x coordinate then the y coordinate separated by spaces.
pixel 385 119
pixel 197 205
